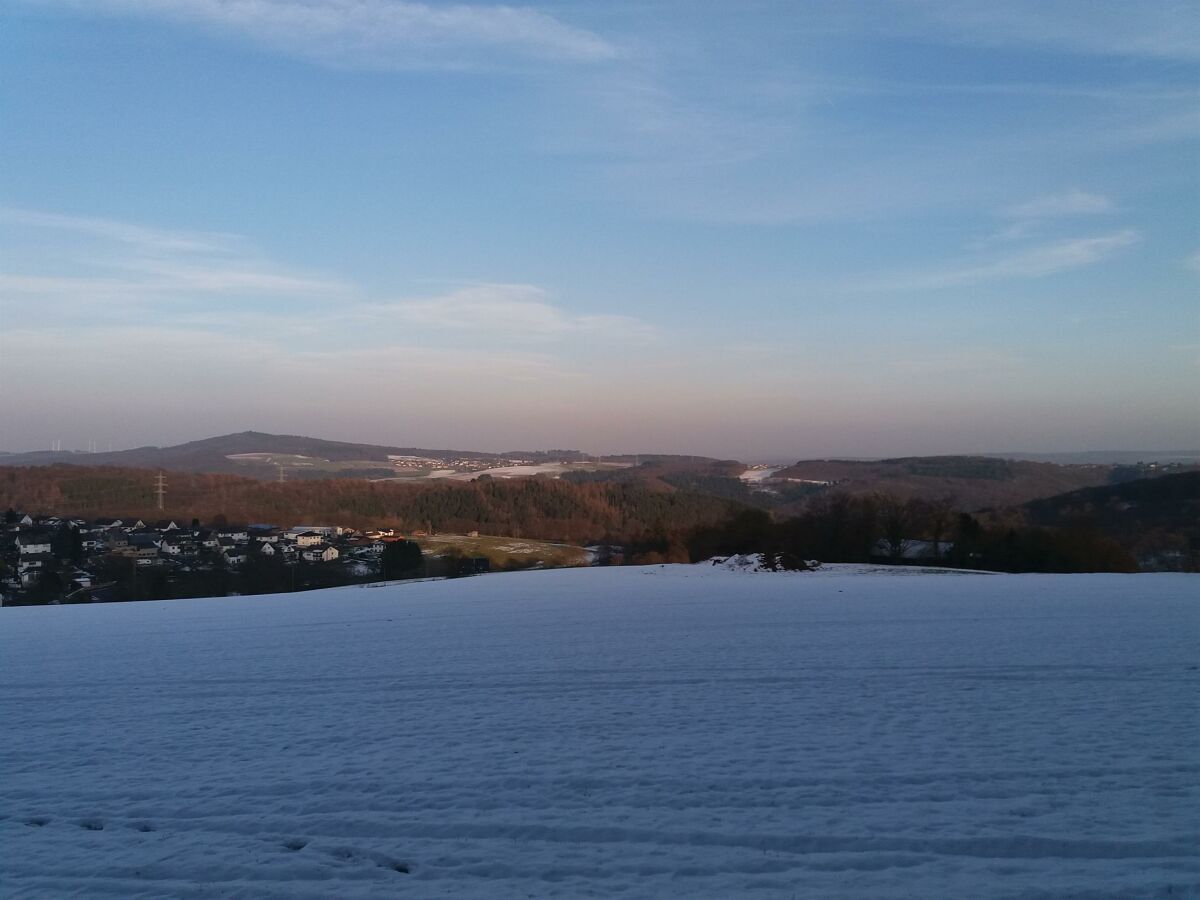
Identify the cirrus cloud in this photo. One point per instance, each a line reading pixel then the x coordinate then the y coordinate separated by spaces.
pixel 377 34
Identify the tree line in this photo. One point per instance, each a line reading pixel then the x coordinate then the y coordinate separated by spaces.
pixel 856 529
pixel 646 523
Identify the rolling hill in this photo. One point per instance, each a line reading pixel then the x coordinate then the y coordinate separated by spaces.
pixel 257 454
pixel 974 482
pixel 1156 519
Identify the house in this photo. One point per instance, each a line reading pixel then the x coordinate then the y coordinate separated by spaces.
pixel 116 539
pixel 25 520
pixel 178 545
pixel 323 530
pixel 308 538
pixel 234 556
pixel 31 567
pixel 165 525
pixel 268 550
pixel 236 534
pixel 208 539
pixel 92 541
pixel 267 537
pixel 142 539
pixel 131 524
pixel 35 542
pixel 365 547
pixel 82 579
pixel 319 553
pixel 142 554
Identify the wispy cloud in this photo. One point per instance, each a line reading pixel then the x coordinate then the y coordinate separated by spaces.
pixel 1046 259
pixel 1071 203
pixel 100 273
pixel 129 262
pixel 1165 29
pixel 508 309
pixel 384 34
pixel 139 236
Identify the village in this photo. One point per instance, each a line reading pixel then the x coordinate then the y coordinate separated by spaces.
pixel 52 559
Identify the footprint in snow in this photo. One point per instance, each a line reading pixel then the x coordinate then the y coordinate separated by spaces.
pixel 92 824
pixel 294 845
pixel 37 822
pixel 346 854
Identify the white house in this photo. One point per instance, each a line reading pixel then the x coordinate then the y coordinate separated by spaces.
pixel 309 538
pixel 33 542
pixel 323 530
pixel 320 553
pixel 178 545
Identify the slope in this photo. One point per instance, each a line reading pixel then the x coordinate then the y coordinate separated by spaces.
pixel 641 733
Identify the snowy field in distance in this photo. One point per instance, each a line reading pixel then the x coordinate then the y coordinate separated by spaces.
pixel 659 732
pixel 759 473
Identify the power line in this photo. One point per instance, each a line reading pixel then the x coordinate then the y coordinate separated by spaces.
pixel 160 489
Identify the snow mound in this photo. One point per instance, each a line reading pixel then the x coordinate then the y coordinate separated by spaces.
pixel 754 562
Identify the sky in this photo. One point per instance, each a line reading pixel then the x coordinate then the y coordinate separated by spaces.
pixel 752 229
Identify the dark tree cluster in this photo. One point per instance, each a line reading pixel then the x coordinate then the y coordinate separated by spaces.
pixel 844 528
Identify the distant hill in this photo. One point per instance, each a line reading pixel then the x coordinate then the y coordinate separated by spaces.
pixel 975 482
pixel 1108 457
pixel 1156 519
pixel 257 454
pixel 212 455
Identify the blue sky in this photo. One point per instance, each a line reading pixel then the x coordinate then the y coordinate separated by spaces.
pixel 756 229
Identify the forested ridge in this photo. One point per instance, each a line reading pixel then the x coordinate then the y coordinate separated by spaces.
pixel 536 508
pixel 1113 528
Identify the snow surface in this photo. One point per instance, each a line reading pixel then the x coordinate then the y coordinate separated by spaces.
pixel 635 732
pixel 525 471
pixel 759 473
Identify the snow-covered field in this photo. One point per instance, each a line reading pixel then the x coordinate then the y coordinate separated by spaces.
pixel 527 471
pixel 678 731
pixel 759 473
